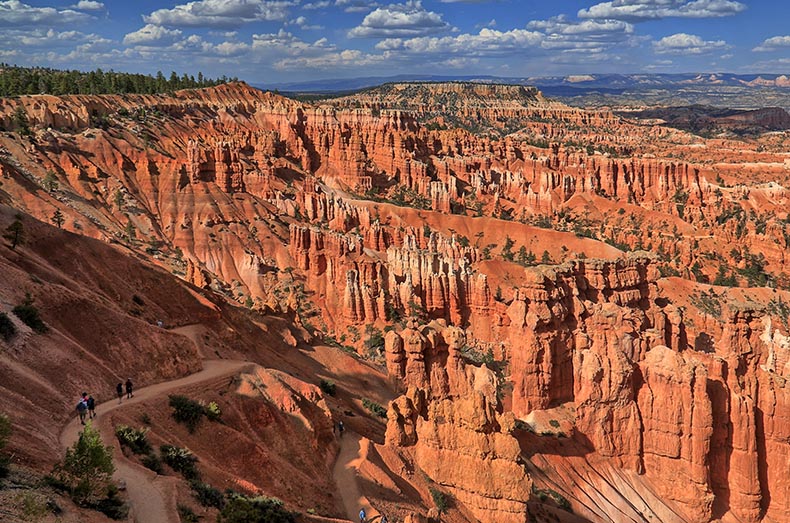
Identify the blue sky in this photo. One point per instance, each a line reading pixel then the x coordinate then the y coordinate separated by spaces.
pixel 270 41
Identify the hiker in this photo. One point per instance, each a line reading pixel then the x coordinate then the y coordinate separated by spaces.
pixel 129 388
pixel 119 390
pixel 340 427
pixel 362 516
pixel 91 407
pixel 82 407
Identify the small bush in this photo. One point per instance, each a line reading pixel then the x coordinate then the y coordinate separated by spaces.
pixel 7 327
pixel 153 462
pixel 523 425
pixel 544 494
pixel 181 460
pixel 86 470
pixel 554 423
pixel 207 495
pixel 186 514
pixel 213 412
pixel 439 499
pixel 33 507
pixel 28 313
pixel 187 411
pixel 134 439
pixel 243 509
pixel 113 506
pixel 328 387
pixel 374 408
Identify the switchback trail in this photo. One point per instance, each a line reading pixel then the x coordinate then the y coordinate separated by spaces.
pixel 353 451
pixel 151 496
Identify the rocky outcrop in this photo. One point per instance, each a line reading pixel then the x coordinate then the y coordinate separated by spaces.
pixel 450 416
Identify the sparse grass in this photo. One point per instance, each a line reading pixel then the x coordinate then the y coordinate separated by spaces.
pixel 374 408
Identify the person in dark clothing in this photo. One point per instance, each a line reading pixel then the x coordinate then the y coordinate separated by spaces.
pixel 340 427
pixel 129 388
pixel 119 391
pixel 91 407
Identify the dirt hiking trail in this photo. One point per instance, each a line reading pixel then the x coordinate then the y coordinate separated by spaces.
pixel 353 452
pixel 151 496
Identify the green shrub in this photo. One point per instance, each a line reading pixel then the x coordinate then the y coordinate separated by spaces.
pixel 186 514
pixel 207 495
pixel 28 313
pixel 187 411
pixel 32 505
pixel 213 412
pixel 153 462
pixel 544 494
pixel 439 499
pixel 135 439
pixel 374 408
pixel 244 509
pixel 181 460
pixel 554 423
pixel 86 471
pixel 113 506
pixel 328 387
pixel 7 327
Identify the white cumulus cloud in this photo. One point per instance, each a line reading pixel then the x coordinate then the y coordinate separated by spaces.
pixel 642 10
pixel 683 43
pixel 152 35
pixel 14 13
pixel 220 13
pixel 89 5
pixel 773 44
pixel 400 20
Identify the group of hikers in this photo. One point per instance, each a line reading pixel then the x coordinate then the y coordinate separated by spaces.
pixel 86 407
pixel 119 390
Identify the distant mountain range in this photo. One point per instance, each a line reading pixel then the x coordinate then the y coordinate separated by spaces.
pixel 554 85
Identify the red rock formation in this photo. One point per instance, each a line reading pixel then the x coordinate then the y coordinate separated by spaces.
pixel 449 415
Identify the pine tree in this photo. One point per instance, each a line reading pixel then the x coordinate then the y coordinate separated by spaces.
pixel 131 231
pixel 58 219
pixel 50 182
pixel 21 121
pixel 87 468
pixel 118 198
pixel 15 233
